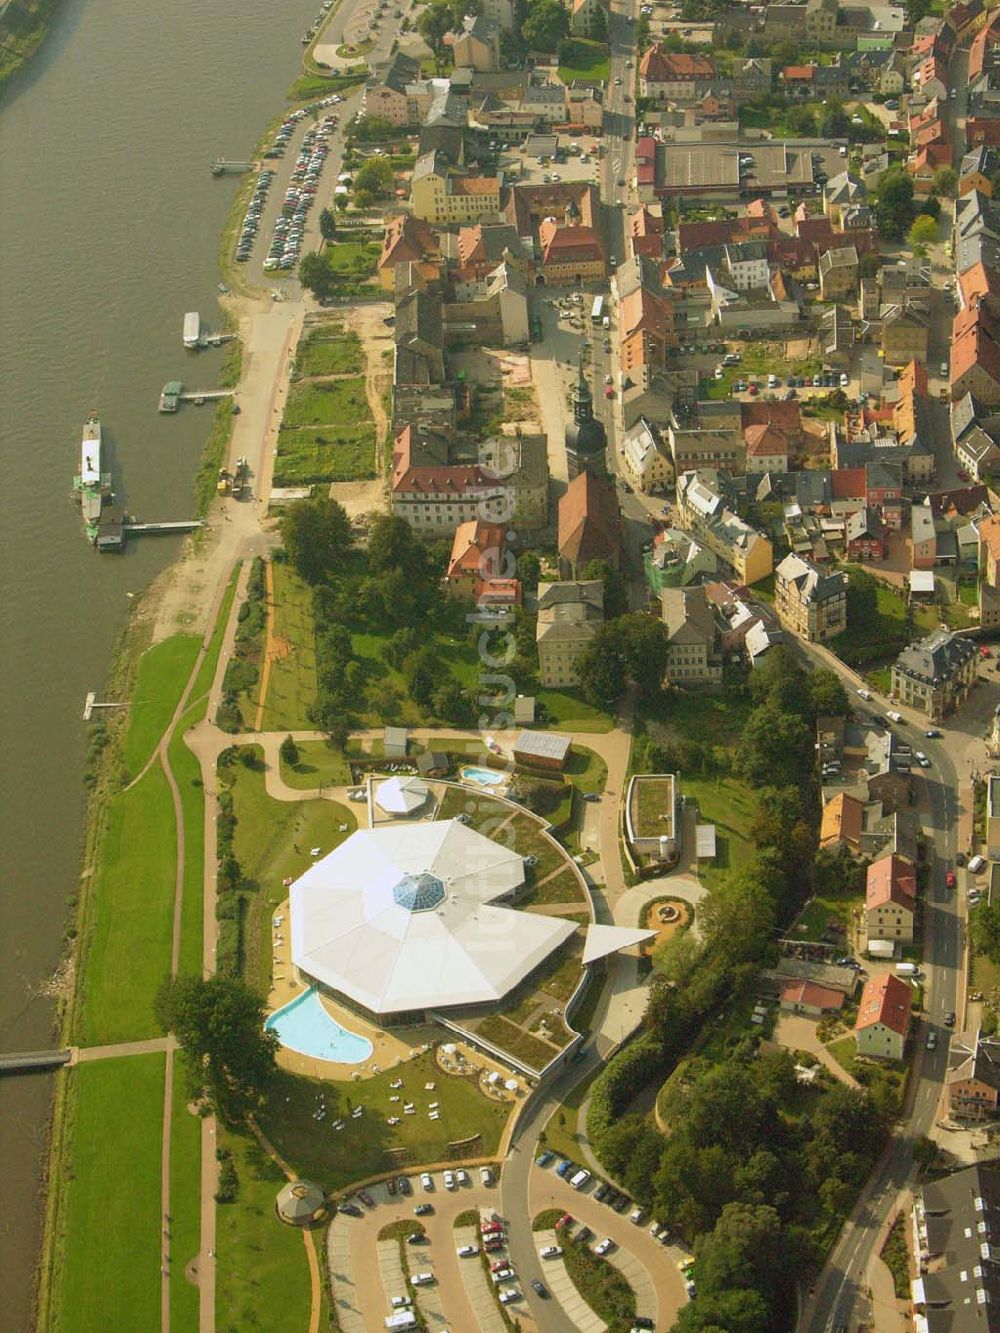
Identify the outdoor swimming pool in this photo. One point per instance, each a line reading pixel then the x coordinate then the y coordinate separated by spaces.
pixel 303 1025
pixel 485 777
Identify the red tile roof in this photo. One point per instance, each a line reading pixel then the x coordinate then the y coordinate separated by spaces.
pixel 475 547
pixel 842 820
pixel 811 995
pixel 891 879
pixel 886 1000
pixel 765 441
pixel 848 483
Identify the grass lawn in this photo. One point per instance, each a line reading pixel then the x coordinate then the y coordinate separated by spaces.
pixel 705 716
pixel 185 1205
pixel 652 798
pixel 187 774
pixel 520 1044
pixel 896 1255
pixel 586 770
pixel 316 455
pixel 529 841
pixel 132 894
pixel 339 403
pixel 109 1271
pixel 291 690
pixel 209 663
pixel 561 1131
pixel 353 258
pixel 883 638
pixel 601 1285
pixel 319 765
pixel 729 805
pixel 823 909
pixel 160 680
pixel 272 841
pixel 568 711
pixel 330 351
pixel 263 1272
pixel 563 887
pixel 585 61
pixel 364 1147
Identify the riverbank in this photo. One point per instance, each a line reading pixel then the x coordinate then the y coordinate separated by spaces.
pixel 24 25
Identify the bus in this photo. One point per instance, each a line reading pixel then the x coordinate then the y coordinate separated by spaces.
pixel 597 310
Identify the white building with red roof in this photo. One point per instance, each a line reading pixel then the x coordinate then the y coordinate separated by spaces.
pixel 883 1018
pixel 891 899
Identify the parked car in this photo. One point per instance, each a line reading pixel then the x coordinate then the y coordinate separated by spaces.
pixel 427 1180
pixel 366 1198
pixel 950 880
pixel 422 1209
pixel 466 1251
pixel 604 1246
pixel 539 1288
pixel 550 1252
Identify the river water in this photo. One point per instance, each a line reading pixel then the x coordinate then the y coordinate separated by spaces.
pixel 109 219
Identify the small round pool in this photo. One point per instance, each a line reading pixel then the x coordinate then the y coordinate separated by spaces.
pixel 485 777
pixel 303 1025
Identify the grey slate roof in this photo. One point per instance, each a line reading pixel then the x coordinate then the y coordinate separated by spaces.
pixel 935 659
pixel 963 416
pixel 961 1221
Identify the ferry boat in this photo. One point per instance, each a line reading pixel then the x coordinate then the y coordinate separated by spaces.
pixel 191 334
pixel 91 485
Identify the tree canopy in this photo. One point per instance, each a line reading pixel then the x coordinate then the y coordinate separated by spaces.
pixel 219 1025
pixel 374 180
pixel 316 536
pixel 894 207
pixel 546 25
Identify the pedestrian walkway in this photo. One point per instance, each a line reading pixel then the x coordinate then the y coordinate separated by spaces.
pixel 478 1287
pixel 342 1287
pixel 564 1290
pixel 637 1276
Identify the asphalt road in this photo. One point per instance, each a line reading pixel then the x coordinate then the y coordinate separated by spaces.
pixel 839 1297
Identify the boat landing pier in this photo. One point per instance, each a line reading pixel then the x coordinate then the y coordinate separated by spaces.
pixel 27 1062
pixel 173 394
pixel 155 529
pixel 222 165
pixel 91 702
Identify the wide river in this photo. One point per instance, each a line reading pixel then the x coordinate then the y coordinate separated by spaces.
pixel 109 227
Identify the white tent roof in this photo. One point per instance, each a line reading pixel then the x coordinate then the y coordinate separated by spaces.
pixel 704 836
pixel 401 796
pixel 400 918
pixel 603 940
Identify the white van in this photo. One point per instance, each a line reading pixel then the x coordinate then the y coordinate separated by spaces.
pixel 422 1279
pixel 580 1179
pixel 976 863
pixel 907 970
pixel 894 716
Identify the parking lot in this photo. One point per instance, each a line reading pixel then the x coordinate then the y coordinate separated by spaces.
pixel 576 161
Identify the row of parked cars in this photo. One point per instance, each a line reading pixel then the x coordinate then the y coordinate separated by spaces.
pixel 251 219
pixel 289 229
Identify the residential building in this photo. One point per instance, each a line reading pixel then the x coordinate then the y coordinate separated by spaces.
pixel 767 448
pixel 676 561
pixel 809 602
pixel 865 535
pixel 883 1018
pixel 923 538
pixel 407 240
pixel 977 171
pixel 973 1077
pixel 955 1227
pixel 890 899
pixel 569 615
pixel 476 45
pixel 436 484
pixel 989 550
pixel 810 999
pixel 702 509
pixel 693 656
pixel 646 330
pixel 647 460
pixel 477 559
pixel 905 332
pixel 385 93
pixel 934 675
pixel 588 19
pixel 674 76
pixel 442 193
pixel 842 823
pixel 589 524
pixel 570 254
pixel 838 273
pixel 698 448
pixel 975 354
pixel 419 339
pixel 993 816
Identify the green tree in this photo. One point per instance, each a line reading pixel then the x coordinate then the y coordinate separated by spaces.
pixel 946 181
pixel 916 10
pixel 827 693
pixel 317 537
pixel 546 25
pixel 289 752
pixel 894 208
pixel 601 669
pixel 862 598
pixel 423 672
pixel 327 225
pixel 529 569
pixel 836 122
pixel 774 745
pixel 316 275
pixel 802 121
pixel 726 1312
pixel 599 25
pixel 646 645
pixel 870 264
pixel 615 587
pixel 435 21
pixel 985 930
pixel 219 1025
pixel 374 180
pixel 746 1249
pixel 922 233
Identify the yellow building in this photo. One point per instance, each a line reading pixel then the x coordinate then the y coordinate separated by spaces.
pixel 441 193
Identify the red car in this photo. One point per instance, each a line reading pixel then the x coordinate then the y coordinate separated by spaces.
pixel 609 391
pixel 950 879
pixel 752 391
pixel 565 1221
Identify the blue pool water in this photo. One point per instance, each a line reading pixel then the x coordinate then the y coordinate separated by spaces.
pixel 486 777
pixel 303 1025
